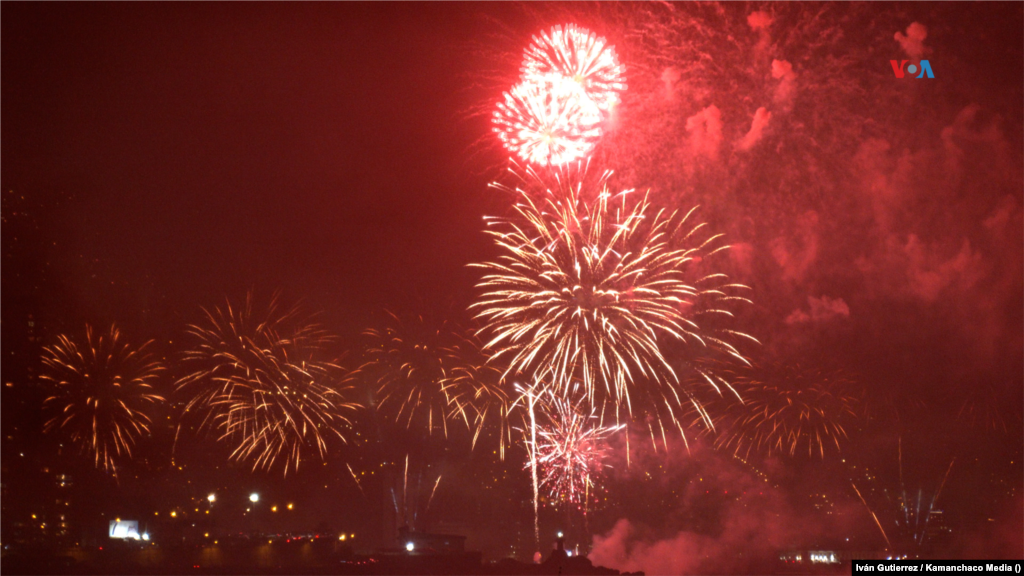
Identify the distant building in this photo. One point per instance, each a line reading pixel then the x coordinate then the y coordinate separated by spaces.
pixel 426 543
pixel 938 534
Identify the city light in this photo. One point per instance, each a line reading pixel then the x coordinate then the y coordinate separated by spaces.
pixel 409 546
pixel 211 498
pixel 254 497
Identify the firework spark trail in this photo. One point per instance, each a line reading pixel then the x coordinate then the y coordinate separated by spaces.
pixel 873 515
pixel 408 507
pixel 909 513
pixel 984 408
pixel 432 492
pixel 529 397
pixel 782 408
pixel 257 382
pixel 354 477
pixel 101 394
pixel 590 292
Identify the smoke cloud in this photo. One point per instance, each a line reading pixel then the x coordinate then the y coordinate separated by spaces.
pixel 757 127
pixel 913 41
pixel 821 310
pixel 716 514
pixel 705 128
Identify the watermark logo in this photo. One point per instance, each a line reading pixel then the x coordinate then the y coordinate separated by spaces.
pixel 901 68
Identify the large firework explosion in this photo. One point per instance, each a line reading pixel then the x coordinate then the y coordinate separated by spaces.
pixel 591 291
pixel 578 55
pixel 101 394
pixel 258 381
pixel 784 409
pixel 545 122
pixel 570 81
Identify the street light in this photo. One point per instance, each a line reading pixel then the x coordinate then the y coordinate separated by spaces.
pixel 211 498
pixel 254 497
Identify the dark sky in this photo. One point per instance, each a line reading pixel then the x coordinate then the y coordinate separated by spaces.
pixel 198 151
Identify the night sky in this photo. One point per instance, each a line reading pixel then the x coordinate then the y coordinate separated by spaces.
pixel 310 149
pixel 159 158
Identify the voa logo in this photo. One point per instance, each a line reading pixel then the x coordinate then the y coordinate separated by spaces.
pixel 901 68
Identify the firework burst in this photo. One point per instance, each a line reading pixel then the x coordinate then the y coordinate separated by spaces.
pixel 477 394
pixel 101 394
pixel 257 381
pixel 570 81
pixel 571 446
pixel 407 362
pixel 589 292
pixel 546 122
pixel 785 409
pixel 583 58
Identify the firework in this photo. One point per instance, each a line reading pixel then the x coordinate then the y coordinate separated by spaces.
pixel 583 58
pixel 984 408
pixel 570 81
pixel 785 409
pixel 258 382
pixel 570 448
pixel 101 394
pixel 410 499
pixel 477 394
pixel 590 291
pixel 529 398
pixel 546 122
pixel 907 514
pixel 407 362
